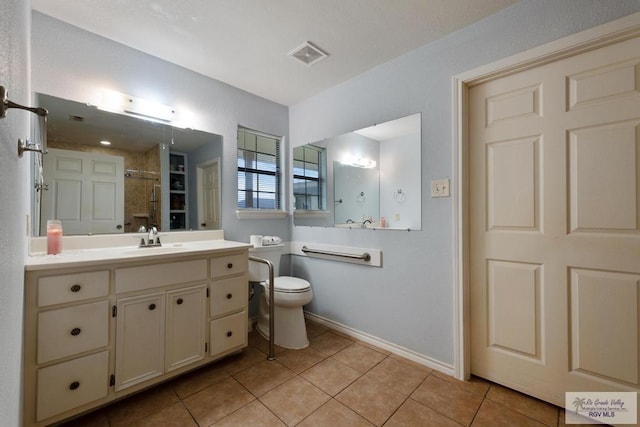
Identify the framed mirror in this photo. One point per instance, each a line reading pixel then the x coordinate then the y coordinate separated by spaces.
pixel 368 178
pixel 114 173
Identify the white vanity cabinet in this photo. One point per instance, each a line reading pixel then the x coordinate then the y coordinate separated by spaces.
pixel 158 333
pixel 228 303
pixel 97 333
pixel 68 315
pixel 160 319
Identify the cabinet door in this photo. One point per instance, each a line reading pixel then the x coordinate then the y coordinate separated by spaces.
pixel 186 323
pixel 139 339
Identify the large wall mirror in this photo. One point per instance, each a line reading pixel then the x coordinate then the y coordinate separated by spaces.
pixel 368 178
pixel 115 173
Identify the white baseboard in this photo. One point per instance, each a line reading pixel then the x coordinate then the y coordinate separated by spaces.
pixel 393 348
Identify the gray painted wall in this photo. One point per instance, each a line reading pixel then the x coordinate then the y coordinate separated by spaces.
pixel 73 64
pixel 14 76
pixel 409 301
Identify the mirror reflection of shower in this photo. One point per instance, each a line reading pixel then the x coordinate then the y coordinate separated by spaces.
pixel 145 219
pixel 153 207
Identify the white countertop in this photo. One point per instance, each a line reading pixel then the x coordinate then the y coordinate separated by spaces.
pixel 79 257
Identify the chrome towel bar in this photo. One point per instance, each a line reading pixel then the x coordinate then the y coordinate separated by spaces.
pixel 365 256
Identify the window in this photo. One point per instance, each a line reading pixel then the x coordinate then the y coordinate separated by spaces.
pixel 308 177
pixel 259 173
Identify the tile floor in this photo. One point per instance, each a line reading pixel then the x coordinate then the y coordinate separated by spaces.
pixel 336 381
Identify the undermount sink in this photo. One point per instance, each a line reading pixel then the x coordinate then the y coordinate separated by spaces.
pixel 157 250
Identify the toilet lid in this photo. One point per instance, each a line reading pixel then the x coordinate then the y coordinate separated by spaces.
pixel 291 284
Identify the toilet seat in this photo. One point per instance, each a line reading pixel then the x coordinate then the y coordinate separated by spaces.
pixel 290 285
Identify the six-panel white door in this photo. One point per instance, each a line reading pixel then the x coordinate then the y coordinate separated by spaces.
pixel 86 192
pixel 555 225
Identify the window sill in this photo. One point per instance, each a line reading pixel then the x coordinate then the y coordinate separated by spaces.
pixel 301 213
pixel 260 214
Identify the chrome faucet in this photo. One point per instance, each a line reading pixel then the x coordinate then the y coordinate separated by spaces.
pixel 364 223
pixel 152 240
pixel 153 234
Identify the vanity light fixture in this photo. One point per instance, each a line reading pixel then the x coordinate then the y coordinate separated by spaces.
pixel 359 162
pixel 308 53
pixel 117 102
pixel 105 142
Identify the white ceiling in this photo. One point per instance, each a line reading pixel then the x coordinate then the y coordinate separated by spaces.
pixel 245 43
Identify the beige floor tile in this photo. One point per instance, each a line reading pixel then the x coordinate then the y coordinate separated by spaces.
pixel 331 376
pixel 301 360
pixel 373 347
pixel 294 400
pixel 411 413
pixel 562 419
pixel 141 405
pixel 259 342
pixel 314 329
pixel 97 418
pixel 198 380
pixel 474 384
pixel 334 413
pixel 175 415
pixel 544 412
pixel 264 376
pixel 370 385
pixel 329 343
pixel 449 399
pixel 372 400
pixel 359 357
pixel 238 362
pixel 398 375
pixel 217 401
pixel 253 414
pixel 493 415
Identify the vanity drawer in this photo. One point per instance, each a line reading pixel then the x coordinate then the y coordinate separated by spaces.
pixel 228 333
pixel 72 287
pixel 229 295
pixel 227 265
pixel 68 331
pixel 157 275
pixel 71 384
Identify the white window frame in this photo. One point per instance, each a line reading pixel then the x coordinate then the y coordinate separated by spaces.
pixel 258 213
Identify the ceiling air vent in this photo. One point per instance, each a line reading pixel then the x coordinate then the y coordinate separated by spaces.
pixel 308 53
pixel 75 118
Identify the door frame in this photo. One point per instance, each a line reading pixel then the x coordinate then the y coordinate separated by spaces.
pixel 199 196
pixel 603 35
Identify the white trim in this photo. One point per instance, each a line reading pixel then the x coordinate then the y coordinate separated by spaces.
pixel 603 35
pixel 385 345
pixel 261 214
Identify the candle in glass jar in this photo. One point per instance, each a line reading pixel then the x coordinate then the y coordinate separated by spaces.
pixel 54 237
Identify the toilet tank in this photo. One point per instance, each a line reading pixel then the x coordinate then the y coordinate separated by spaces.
pixel 259 272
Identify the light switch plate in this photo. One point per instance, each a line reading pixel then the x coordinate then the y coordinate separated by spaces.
pixel 440 187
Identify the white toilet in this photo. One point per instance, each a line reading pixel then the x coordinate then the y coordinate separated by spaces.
pixel 290 294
